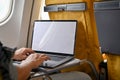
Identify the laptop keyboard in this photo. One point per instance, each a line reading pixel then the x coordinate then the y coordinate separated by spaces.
pixel 56 57
pixel 56 61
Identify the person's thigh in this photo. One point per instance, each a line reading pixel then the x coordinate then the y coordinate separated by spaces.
pixel 75 75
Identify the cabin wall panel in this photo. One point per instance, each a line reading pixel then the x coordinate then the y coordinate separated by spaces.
pixel 14 32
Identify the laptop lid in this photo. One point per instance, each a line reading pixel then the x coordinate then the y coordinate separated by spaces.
pixel 54 36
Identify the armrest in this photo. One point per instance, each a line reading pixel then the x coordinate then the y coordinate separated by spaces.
pixel 92 67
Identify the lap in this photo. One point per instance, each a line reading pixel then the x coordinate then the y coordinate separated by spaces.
pixel 74 75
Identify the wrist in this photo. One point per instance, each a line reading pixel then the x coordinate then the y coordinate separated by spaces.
pixel 24 70
pixel 26 65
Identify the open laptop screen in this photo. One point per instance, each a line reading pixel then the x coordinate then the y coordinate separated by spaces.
pixel 54 36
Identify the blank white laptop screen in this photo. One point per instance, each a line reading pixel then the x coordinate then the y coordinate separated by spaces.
pixel 56 36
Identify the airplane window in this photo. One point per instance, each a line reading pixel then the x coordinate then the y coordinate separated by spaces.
pixel 5 10
pixel 43 15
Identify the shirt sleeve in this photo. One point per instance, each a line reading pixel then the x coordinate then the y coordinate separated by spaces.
pixel 13 71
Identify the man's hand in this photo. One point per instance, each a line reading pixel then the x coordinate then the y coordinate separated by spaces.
pixel 34 60
pixel 22 53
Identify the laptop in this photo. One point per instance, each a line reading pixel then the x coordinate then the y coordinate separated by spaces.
pixel 55 38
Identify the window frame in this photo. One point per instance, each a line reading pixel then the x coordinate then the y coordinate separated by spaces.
pixel 9 14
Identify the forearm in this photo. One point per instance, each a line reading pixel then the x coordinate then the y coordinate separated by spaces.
pixel 23 71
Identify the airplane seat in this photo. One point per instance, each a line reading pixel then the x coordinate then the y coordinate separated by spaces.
pixel 107 15
pixel 87 45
